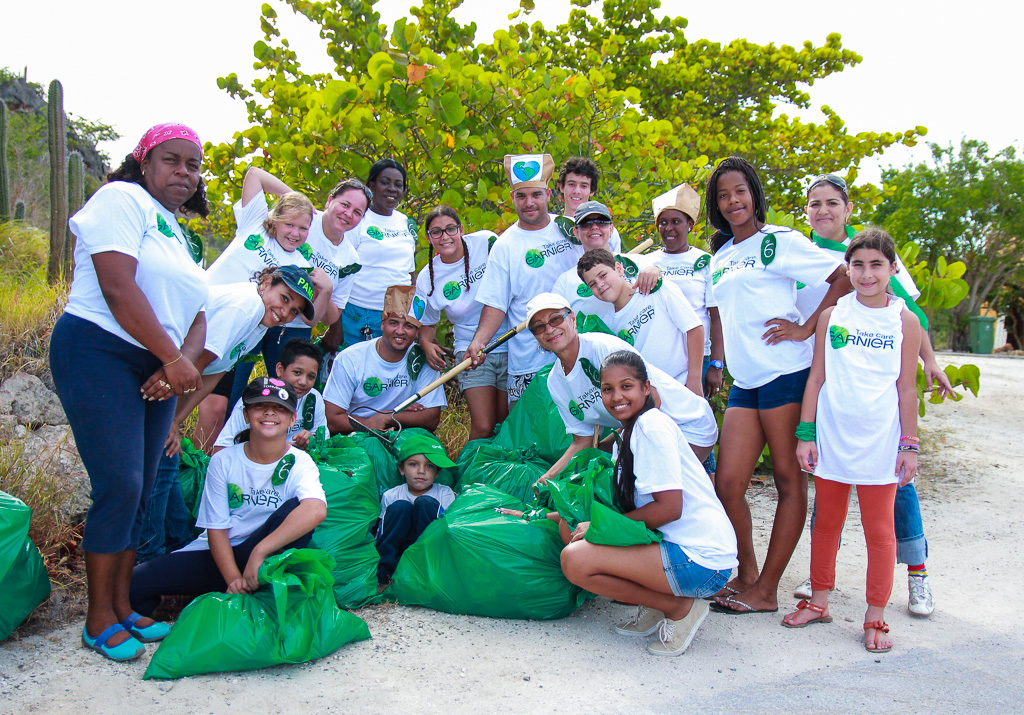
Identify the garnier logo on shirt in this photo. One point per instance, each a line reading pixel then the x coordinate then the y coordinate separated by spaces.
pixel 768 244
pixel 282 470
pixel 625 335
pixel 629 267
pixel 372 386
pixel 534 258
pixel 702 262
pixel 376 233
pixel 591 372
pixel 305 250
pixel 451 290
pixel 838 335
pixel 254 242
pixel 193 241
pixel 575 410
pixel 565 225
pixel 349 270
pixel 163 227
pixel 236 497
pixel 236 351
pixel 415 359
pixel 308 413
pixel 583 291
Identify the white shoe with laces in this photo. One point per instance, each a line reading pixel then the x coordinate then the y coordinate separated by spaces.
pixel 674 637
pixel 643 623
pixel 921 602
pixel 803 590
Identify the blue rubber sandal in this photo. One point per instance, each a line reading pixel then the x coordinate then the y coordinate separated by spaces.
pixel 152 633
pixel 128 650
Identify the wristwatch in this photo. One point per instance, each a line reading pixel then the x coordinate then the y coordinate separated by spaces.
pixel 717 363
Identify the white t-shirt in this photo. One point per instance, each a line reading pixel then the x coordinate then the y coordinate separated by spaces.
pixel 858 418
pixel 233 327
pixel 663 461
pixel 521 265
pixel 239 494
pixel 755 281
pixel 578 394
pixel 691 272
pixel 362 377
pixel 124 218
pixel 252 249
pixel 455 295
pixel 309 415
pixel 444 496
pixel 387 251
pixel 340 262
pixel 582 299
pixel 656 325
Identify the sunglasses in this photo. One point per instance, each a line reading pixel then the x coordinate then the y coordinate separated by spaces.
pixel 836 181
pixel 438 232
pixel 556 320
pixel 593 222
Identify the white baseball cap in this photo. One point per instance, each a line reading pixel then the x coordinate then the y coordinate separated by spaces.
pixel 545 301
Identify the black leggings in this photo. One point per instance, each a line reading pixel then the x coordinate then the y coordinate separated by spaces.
pixel 193 573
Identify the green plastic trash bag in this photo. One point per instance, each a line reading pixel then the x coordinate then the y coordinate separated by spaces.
pixel 475 561
pixel 192 465
pixel 535 422
pixel 591 324
pixel 23 580
pixel 610 528
pixel 513 471
pixel 352 509
pixel 468 452
pixel 385 465
pixel 293 620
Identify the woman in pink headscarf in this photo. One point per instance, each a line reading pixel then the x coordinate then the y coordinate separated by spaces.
pixel 122 352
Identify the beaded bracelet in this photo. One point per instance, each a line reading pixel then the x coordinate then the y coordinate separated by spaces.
pixel 908 448
pixel 909 438
pixel 806 432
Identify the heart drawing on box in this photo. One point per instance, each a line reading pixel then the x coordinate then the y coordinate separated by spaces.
pixel 525 170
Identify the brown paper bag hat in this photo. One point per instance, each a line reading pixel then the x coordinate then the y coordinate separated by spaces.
pixel 401 301
pixel 528 171
pixel 681 198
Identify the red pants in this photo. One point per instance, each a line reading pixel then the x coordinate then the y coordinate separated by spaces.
pixel 876 515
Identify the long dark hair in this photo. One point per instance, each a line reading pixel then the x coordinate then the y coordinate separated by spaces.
pixel 436 213
pixel 715 217
pixel 131 171
pixel 625 480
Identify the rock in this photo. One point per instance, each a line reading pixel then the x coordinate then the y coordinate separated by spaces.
pixel 52 453
pixel 26 397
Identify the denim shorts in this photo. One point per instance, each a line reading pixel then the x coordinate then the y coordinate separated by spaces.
pixel 783 390
pixel 687 578
pixel 493 373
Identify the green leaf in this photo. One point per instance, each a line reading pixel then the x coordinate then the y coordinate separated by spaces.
pixel 452 110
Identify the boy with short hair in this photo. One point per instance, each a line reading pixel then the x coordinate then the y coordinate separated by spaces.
pixel 407 510
pixel 299 366
pixel 661 325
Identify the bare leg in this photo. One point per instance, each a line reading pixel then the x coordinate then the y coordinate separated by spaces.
pixel 103 571
pixel 702 452
pixel 483 405
pixel 875 639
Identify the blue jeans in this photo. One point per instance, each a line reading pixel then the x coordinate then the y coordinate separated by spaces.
pixel 402 524
pixel 166 526
pixel 911 546
pixel 273 341
pixel 358 325
pixel 686 577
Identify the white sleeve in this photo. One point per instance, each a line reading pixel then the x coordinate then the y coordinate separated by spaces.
pixel 800 260
pixel 214 512
pixel 307 478
pixel 655 455
pixel 319 412
pixel 436 398
pixel 709 295
pixel 678 307
pixel 431 311
pixel 234 425
pixel 496 285
pixel 250 218
pixel 225 327
pixel 906 280
pixel 112 220
pixel 573 426
pixel 341 383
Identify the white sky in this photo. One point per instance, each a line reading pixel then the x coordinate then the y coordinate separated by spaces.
pixel 952 67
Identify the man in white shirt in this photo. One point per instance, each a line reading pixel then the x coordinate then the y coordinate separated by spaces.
pixel 577 182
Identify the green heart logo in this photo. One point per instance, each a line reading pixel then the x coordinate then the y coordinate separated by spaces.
pixel 418 306
pixel 583 291
pixel 525 170
pixel 626 335
pixel 534 258
pixel 702 262
pixel 374 232
pixel 565 226
pixel 768 249
pixel 349 270
pixel 451 290
pixel 373 386
pixel 236 497
pixel 575 410
pixel 305 250
pixel 591 372
pixel 838 335
pixel 308 414
pixel 254 242
pixel 629 268
pixel 282 470
pixel 163 227
pixel 415 360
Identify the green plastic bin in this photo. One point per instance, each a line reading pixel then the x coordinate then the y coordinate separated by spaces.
pixel 983 334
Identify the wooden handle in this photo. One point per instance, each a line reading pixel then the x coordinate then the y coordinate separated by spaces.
pixel 642 246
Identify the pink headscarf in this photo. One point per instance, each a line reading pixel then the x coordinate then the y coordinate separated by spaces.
pixel 164 132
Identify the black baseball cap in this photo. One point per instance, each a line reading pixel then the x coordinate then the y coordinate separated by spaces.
pixel 269 389
pixel 298 280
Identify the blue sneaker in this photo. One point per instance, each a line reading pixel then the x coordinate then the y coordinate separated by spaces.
pixel 152 633
pixel 128 650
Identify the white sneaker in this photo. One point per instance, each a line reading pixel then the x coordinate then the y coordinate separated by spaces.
pixel 644 623
pixel 921 602
pixel 803 590
pixel 674 637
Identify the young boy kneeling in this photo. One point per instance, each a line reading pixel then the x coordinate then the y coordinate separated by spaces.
pixel 407 510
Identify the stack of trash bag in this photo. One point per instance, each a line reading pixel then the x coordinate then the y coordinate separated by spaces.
pixel 475 561
pixel 23 580
pixel 192 465
pixel 534 422
pixel 512 470
pixel 292 619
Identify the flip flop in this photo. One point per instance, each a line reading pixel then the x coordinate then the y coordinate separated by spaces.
pixel 880 627
pixel 804 603
pixel 731 592
pixel 721 607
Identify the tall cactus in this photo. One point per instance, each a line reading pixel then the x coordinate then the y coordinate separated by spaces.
pixel 58 180
pixel 76 197
pixel 19 210
pixel 5 193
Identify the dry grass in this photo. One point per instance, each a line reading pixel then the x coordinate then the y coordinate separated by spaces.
pixel 453 431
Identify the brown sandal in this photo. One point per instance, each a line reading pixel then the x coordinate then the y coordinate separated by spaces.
pixel 879 626
pixel 804 603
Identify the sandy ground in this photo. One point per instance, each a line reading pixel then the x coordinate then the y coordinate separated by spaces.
pixel 967 658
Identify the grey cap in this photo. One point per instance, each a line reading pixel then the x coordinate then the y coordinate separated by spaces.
pixel 591 208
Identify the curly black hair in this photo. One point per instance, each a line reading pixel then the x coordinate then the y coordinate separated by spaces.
pixel 131 171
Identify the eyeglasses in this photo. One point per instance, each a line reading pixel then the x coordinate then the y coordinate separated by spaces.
pixel 556 320
pixel 836 181
pixel 451 230
pixel 593 222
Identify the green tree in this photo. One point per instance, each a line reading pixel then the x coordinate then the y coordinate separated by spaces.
pixel 427 94
pixel 964 206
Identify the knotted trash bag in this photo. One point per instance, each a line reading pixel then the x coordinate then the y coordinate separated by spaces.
pixel 468 452
pixel 513 471
pixel 473 560
pixel 382 450
pixel 23 580
pixel 292 619
pixel 192 464
pixel 535 422
pixel 352 509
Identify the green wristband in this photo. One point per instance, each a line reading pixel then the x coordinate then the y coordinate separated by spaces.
pixel 805 432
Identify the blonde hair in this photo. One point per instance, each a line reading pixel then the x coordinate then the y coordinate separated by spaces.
pixel 294 202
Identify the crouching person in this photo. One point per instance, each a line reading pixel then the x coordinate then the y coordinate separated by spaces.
pixel 407 510
pixel 262 496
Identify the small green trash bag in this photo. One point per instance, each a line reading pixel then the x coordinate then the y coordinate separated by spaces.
pixel 352 509
pixel 475 561
pixel 513 471
pixel 535 422
pixel 192 464
pixel 23 580
pixel 293 620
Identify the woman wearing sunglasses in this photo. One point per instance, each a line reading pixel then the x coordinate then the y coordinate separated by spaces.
pixel 449 285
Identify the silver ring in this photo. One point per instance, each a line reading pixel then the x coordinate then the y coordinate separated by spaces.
pixel 164 384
